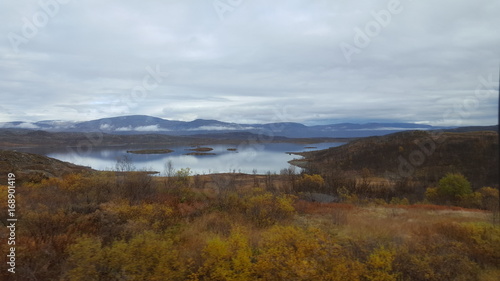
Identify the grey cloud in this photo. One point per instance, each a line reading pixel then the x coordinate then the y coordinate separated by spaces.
pixel 265 56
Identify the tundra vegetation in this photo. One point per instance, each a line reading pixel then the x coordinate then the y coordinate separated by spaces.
pixel 129 225
pixel 347 216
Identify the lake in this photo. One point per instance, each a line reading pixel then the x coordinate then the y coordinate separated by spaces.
pixel 267 157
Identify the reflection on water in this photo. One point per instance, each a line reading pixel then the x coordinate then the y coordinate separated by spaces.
pixel 262 157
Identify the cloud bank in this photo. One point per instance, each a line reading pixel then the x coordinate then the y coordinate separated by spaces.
pixel 256 61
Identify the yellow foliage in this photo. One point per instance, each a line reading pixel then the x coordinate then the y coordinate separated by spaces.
pixel 431 194
pixel 341 269
pixel 74 182
pixel 481 239
pixel 86 256
pixel 285 204
pixel 228 259
pixel 290 253
pixel 379 265
pixel 490 198
pixel 50 182
pixel 147 256
pixel 265 209
pixel 154 214
pixel 311 182
pixel 472 200
pixel 131 244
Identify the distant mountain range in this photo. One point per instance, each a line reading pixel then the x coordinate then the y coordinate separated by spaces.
pixel 143 124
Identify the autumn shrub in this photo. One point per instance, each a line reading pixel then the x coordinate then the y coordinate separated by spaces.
pixel 490 198
pixel 41 240
pixel 86 191
pixel 45 224
pixel 183 194
pixel 310 183
pixel 449 251
pixel 152 216
pixel 146 256
pixel 348 195
pixel 134 186
pixel 181 189
pixel 297 253
pixel 452 187
pixel 226 259
pixel 181 177
pixel 219 223
pixel 338 267
pixel 265 208
pixel 290 253
pixel 471 200
pixel 85 260
pixel 82 227
pixel 379 266
pixel 73 182
pixel 431 195
pixel 434 260
pixel 481 240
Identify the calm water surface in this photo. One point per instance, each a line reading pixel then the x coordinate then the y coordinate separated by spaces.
pixel 262 157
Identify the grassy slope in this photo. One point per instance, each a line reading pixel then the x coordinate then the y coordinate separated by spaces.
pixel 473 154
pixel 28 166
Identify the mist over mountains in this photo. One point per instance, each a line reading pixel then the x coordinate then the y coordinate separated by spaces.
pixel 143 124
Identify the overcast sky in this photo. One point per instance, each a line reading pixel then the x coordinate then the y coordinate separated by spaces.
pixel 250 61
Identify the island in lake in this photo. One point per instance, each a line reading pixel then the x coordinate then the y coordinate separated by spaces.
pixel 150 151
pixel 201 149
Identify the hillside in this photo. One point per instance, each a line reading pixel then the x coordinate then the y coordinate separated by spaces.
pixel 11 138
pixel 28 166
pixel 472 129
pixel 414 155
pixel 23 137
